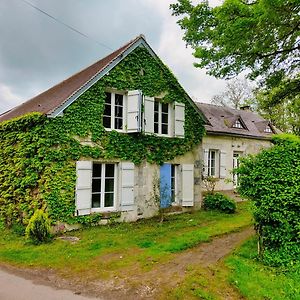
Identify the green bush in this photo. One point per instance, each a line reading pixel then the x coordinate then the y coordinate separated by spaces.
pixel 218 201
pixel 38 228
pixel 271 180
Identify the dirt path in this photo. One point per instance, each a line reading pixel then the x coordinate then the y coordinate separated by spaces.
pixel 146 285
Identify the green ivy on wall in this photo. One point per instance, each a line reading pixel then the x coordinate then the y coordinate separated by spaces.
pixel 38 154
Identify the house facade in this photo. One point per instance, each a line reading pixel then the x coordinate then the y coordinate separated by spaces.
pixel 120 138
pixel 231 134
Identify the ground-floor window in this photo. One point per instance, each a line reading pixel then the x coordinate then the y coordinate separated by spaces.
pixel 103 185
pixel 212 163
pixel 236 164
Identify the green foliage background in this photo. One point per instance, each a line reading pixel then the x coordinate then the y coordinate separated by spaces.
pixel 38 154
pixel 272 181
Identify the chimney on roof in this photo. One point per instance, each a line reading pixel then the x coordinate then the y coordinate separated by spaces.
pixel 245 107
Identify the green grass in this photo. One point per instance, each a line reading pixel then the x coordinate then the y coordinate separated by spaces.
pixel 256 281
pixel 106 249
pixel 240 274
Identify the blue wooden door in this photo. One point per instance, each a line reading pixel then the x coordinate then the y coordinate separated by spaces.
pixel 165 186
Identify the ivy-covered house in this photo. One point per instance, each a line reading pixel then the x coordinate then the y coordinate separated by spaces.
pixel 120 138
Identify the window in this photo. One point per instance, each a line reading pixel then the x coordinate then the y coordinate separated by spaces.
pixel 113 111
pixel 161 117
pixel 212 162
pixel 173 183
pixel 268 129
pixel 103 185
pixel 238 124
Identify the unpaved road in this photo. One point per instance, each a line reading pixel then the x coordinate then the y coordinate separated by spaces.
pixel 13 287
pixel 138 285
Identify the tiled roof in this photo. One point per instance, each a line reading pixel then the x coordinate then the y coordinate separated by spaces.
pixel 221 119
pixel 56 96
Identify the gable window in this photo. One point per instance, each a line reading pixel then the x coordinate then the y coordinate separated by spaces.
pixel 161 117
pixel 238 124
pixel 103 185
pixel 113 111
pixel 268 129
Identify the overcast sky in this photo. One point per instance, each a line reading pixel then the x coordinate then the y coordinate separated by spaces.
pixel 36 52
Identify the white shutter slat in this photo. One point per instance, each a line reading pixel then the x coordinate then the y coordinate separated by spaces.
pixel 187 185
pixel 222 164
pixel 149 114
pixel 83 187
pixel 205 162
pixel 179 120
pixel 134 111
pixel 127 186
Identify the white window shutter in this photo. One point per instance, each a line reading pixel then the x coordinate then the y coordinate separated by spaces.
pixel 83 196
pixel 222 164
pixel 179 119
pixel 134 111
pixel 205 162
pixel 187 185
pixel 127 186
pixel 148 114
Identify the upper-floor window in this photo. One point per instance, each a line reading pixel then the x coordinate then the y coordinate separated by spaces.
pixel 238 124
pixel 161 118
pixel 113 111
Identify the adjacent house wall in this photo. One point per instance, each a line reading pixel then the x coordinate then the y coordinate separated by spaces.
pixel 229 145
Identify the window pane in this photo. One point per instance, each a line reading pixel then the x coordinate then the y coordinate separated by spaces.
pixel 106 122
pixel 156 117
pixel 107 110
pixel 118 99
pixel 118 123
pixel 155 127
pixel 109 170
pixel 108 199
pixel 119 111
pixel 165 107
pixel 156 106
pixel 164 129
pixel 164 118
pixel 96 185
pixel 97 170
pixel 95 200
pixel 109 185
pixel 107 97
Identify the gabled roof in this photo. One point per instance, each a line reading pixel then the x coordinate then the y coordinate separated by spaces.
pixel 221 119
pixel 53 101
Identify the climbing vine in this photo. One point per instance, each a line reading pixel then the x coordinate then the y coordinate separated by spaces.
pixel 38 154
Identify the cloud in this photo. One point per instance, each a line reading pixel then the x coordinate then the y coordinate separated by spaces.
pixel 7 98
pixel 37 52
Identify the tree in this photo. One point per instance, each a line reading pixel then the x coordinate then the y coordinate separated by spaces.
pixel 280 106
pixel 261 35
pixel 238 93
pixel 271 180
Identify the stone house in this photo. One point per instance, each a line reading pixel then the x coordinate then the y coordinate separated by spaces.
pixel 113 139
pixel 230 134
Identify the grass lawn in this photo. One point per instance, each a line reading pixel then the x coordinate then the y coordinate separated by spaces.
pixel 110 250
pixel 240 274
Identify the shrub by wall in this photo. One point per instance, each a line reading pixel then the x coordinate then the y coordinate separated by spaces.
pixel 271 180
pixel 218 201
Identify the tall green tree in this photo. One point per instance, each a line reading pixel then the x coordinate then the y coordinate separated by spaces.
pixel 257 35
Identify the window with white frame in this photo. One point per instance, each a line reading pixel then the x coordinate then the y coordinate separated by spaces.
pixel 161 118
pixel 238 124
pixel 103 185
pixel 113 111
pixel 174 174
pixel 268 129
pixel 212 163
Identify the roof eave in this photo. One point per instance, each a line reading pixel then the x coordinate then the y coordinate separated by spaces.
pixel 256 137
